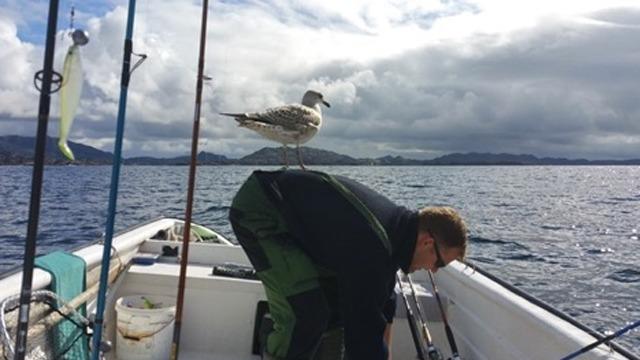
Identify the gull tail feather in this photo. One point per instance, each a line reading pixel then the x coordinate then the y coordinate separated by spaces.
pixel 238 115
pixel 240 118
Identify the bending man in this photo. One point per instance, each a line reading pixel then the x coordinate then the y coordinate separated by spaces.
pixel 327 249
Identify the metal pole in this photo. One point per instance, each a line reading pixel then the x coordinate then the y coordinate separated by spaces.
pixel 115 176
pixel 184 259
pixel 36 184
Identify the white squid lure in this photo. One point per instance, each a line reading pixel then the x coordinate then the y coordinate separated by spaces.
pixel 71 90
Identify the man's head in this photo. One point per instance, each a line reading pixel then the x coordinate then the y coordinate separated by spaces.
pixel 442 238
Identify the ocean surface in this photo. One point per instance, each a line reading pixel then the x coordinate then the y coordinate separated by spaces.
pixel 567 235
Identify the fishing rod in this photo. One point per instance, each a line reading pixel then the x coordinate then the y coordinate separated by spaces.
pixel 47 77
pixel 432 351
pixel 184 259
pixel 447 328
pixel 412 322
pixel 127 69
pixel 602 341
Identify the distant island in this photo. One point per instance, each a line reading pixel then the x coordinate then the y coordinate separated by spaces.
pixel 18 150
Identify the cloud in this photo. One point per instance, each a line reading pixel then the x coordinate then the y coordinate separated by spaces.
pixel 411 78
pixel 17 61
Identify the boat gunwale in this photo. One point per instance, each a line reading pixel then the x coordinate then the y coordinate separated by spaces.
pixel 553 310
pixel 620 349
pixel 126 246
pixel 18 268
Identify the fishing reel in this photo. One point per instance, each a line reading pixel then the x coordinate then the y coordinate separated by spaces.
pixel 79 38
pixel 433 353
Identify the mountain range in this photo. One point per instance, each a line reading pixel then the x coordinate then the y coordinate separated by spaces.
pixel 18 150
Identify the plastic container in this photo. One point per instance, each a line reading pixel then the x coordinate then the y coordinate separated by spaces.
pixel 144 327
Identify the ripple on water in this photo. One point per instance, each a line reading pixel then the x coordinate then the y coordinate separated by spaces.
pixel 600 251
pixel 216 208
pixel 521 257
pixel 482 259
pixel 551 227
pixel 419 186
pixel 511 245
pixel 577 312
pixel 503 205
pixel 625 276
pixel 622 199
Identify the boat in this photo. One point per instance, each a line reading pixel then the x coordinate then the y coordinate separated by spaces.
pixel 225 304
pixel 141 286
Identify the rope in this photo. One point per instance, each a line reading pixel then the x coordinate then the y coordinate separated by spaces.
pixel 11 303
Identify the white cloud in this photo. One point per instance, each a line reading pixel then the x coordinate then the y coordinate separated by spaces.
pixel 17 63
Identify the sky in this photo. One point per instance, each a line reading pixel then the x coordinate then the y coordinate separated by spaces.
pixel 411 78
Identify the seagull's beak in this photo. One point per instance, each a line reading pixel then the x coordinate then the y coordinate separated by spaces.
pixel 326 104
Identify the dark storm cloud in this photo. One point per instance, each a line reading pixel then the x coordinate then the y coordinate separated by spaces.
pixel 562 89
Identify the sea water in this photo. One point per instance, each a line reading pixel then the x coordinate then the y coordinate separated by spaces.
pixel 568 235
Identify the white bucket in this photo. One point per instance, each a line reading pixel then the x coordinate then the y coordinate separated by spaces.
pixel 144 332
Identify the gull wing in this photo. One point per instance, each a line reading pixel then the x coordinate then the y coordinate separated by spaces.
pixel 288 116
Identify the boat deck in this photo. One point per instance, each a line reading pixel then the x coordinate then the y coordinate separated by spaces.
pixel 219 313
pixel 213 301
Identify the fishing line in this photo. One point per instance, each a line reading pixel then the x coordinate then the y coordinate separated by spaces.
pixel 73 14
pixel 175 346
pixel 115 176
pixel 413 327
pixel 47 76
pixel 447 328
pixel 602 341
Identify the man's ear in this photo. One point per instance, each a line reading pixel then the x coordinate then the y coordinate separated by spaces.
pixel 424 239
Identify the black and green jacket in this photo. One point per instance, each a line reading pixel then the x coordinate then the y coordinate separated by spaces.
pixel 354 232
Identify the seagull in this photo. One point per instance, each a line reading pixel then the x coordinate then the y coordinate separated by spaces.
pixel 288 124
